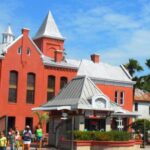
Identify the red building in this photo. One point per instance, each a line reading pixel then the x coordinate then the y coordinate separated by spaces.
pixel 32 71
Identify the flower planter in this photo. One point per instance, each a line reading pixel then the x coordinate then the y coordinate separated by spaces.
pixel 107 145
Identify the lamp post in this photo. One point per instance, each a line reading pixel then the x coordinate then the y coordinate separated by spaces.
pixel 144 135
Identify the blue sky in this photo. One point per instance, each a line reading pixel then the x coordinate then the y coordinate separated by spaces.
pixel 115 29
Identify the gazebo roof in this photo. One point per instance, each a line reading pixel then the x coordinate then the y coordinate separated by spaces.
pixel 82 93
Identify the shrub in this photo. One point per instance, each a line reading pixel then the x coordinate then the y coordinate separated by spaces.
pixel 102 136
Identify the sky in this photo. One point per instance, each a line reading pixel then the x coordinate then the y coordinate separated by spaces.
pixel 117 30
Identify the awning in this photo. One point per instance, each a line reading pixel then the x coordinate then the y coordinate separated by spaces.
pixel 125 114
pixel 52 108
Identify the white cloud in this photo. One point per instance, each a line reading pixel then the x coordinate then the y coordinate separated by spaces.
pixel 138 47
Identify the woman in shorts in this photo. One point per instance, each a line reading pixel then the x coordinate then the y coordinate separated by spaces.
pixel 27 138
pixel 39 135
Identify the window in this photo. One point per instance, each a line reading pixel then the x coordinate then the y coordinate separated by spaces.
pixel 13 81
pixel 63 82
pixel 116 96
pixel 50 87
pixel 30 88
pixel 19 50
pixel 28 51
pixel 121 98
pixel 136 106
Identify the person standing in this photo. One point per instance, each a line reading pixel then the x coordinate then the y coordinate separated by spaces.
pixel 3 141
pixel 39 135
pixel 27 134
pixel 17 140
pixel 11 139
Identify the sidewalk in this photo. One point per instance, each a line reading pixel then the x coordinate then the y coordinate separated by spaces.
pixel 33 148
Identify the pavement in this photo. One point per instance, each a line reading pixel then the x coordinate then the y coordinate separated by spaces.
pixel 147 147
pixel 33 148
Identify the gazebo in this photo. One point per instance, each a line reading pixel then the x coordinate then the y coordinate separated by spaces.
pixel 80 105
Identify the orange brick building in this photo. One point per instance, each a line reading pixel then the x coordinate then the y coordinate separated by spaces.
pixel 32 71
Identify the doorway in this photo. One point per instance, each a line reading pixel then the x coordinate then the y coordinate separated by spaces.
pixel 95 124
pixel 29 122
pixel 11 122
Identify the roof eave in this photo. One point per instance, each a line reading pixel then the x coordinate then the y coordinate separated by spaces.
pixel 112 80
pixel 2 57
pixel 60 65
pixel 47 36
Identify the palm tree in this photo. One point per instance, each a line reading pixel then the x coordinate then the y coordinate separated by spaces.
pixel 148 63
pixel 42 117
pixel 132 66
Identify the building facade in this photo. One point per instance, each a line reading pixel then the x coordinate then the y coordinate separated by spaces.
pixel 142 104
pixel 33 70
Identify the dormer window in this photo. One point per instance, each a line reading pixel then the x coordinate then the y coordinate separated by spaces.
pixel 28 51
pixel 20 50
pixel 99 102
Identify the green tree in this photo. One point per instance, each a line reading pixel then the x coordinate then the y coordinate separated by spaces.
pixel 132 66
pixel 42 117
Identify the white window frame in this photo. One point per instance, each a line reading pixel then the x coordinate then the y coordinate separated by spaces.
pixel 122 97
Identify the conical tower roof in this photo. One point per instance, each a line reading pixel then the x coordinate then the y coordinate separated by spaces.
pixel 49 28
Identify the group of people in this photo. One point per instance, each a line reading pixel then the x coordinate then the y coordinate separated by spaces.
pixel 14 138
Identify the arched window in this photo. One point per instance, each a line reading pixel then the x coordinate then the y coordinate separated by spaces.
pixel 50 87
pixel 13 81
pixel 63 82
pixel 30 88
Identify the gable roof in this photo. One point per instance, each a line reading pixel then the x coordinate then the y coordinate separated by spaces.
pixel 141 96
pixel 75 94
pixel 79 94
pixel 102 71
pixel 49 29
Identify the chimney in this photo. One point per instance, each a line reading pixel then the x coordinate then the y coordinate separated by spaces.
pixel 58 55
pixel 95 58
pixel 25 31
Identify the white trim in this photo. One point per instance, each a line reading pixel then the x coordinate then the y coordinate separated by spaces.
pixel 94 98
pixel 52 108
pixel 36 46
pixel 64 107
pixel 6 49
pixel 122 97
pixel 125 114
pixel 60 65
pixel 47 36
pixel 126 72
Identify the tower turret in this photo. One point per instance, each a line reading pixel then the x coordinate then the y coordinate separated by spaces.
pixel 49 39
pixel 7 36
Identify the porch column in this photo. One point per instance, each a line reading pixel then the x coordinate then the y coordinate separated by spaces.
pixel 108 124
pixel 81 123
